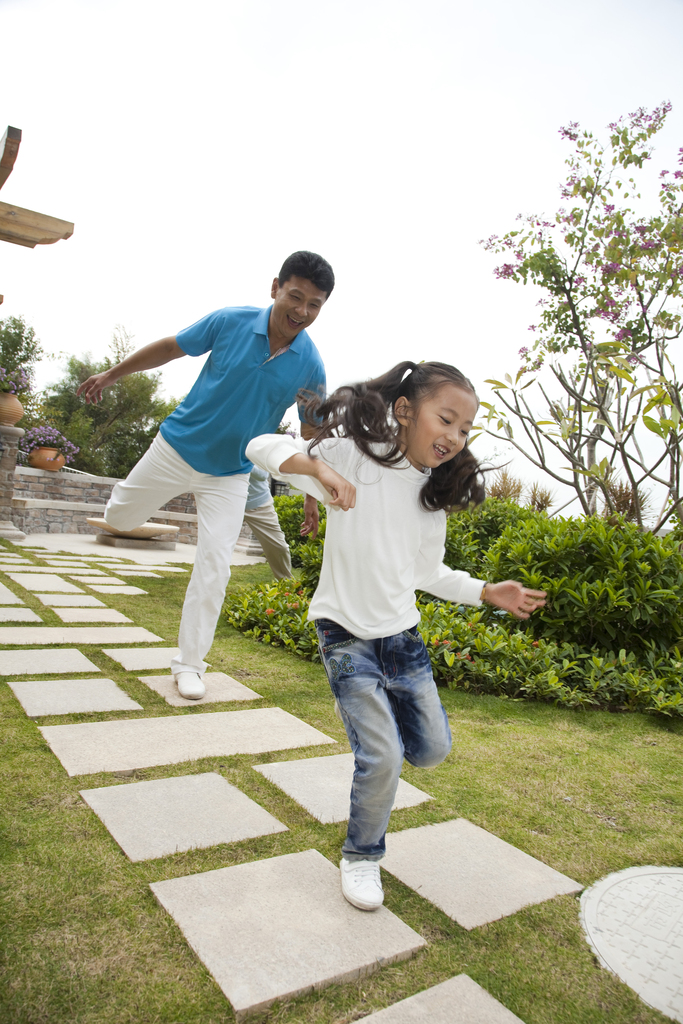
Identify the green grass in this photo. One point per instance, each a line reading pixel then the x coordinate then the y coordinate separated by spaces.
pixel 85 942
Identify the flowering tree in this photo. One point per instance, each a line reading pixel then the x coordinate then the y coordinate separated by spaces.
pixel 610 311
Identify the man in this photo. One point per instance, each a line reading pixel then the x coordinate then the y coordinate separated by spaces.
pixel 259 359
pixel 261 518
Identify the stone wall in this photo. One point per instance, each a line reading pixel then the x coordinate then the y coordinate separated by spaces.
pixel 48 502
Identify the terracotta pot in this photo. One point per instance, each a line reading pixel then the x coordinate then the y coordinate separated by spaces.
pixel 11 409
pixel 46 458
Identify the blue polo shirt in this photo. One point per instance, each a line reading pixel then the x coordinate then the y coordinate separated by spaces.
pixel 241 392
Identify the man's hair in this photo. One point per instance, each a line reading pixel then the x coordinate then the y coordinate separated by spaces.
pixel 311 266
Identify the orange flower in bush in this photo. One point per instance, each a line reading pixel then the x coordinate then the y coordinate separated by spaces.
pixel 270 611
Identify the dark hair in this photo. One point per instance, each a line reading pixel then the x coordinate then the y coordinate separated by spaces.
pixel 365 413
pixel 311 266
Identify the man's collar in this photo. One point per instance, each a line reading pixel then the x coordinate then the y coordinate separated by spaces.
pixel 261 327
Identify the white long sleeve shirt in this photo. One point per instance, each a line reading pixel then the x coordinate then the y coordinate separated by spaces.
pixel 378 553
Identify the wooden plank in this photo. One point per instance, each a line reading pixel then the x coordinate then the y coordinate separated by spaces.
pixel 9 147
pixel 26 227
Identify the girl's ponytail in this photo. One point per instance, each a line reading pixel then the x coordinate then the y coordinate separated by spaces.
pixel 365 413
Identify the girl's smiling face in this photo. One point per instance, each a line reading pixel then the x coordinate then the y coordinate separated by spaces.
pixel 436 429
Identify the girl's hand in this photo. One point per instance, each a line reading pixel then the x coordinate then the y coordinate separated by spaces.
pixel 514 598
pixel 343 493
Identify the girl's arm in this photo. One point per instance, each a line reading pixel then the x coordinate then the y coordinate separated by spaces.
pixel 457 586
pixel 287 458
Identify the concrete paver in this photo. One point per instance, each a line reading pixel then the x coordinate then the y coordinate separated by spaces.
pixel 166 816
pixel 90 615
pixel 44 584
pixel 7 597
pixel 456 1001
pixel 71 696
pixel 273 929
pixel 219 687
pixel 135 658
pixel 18 615
pixel 70 600
pixel 470 874
pixel 37 663
pixel 76 635
pixel 322 785
pixel 144 742
pixel 130 591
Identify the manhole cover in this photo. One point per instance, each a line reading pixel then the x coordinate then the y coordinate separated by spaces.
pixel 633 920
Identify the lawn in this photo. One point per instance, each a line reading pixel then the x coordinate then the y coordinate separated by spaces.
pixel 85 942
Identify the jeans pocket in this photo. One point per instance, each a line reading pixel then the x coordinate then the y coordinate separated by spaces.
pixel 409 635
pixel 332 636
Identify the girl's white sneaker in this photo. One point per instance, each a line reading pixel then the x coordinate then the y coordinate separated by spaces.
pixel 361 883
pixel 190 685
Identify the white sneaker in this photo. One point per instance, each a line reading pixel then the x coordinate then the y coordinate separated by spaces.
pixel 361 884
pixel 190 685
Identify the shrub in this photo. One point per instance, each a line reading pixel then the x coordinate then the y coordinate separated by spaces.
pixel 469 534
pixel 608 586
pixel 468 653
pixel 290 512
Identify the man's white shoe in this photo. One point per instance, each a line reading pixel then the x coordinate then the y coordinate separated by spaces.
pixel 361 883
pixel 190 685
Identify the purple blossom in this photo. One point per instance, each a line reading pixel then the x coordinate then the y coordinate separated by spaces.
pixel 14 382
pixel 649 245
pixel 48 437
pixel 531 327
pixel 623 333
pixel 632 359
pixel 506 271
pixel 523 352
pixel 571 131
pixel 641 229
pixel 611 268
pixel 579 280
pixel 678 174
pixel 609 209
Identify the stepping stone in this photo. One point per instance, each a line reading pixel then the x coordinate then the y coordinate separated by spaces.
pixel 131 571
pixel 633 920
pixel 76 635
pixel 14 565
pixel 219 687
pixel 7 597
pixel 90 615
pixel 71 696
pixel 85 575
pixel 67 565
pixel 470 874
pixel 36 663
pixel 70 600
pixel 138 572
pixel 98 577
pixel 145 742
pixel 35 582
pixel 166 816
pixel 135 658
pixel 101 589
pixel 18 615
pixel 322 785
pixel 274 929
pixel 32 569
pixel 456 1001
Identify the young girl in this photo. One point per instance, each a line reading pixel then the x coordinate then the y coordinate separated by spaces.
pixel 391 453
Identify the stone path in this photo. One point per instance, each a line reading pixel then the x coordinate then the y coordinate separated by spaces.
pixel 166 816
pixel 471 875
pixel 322 785
pixel 273 928
pixel 456 1001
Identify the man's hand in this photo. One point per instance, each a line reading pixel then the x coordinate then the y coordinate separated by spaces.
pixel 309 527
pixel 514 598
pixel 147 358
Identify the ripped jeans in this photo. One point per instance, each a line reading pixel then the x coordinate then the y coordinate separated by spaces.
pixel 391 709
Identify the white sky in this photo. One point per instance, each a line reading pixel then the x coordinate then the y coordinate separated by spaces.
pixel 195 145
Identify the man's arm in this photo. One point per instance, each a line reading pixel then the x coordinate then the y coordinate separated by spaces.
pixel 147 358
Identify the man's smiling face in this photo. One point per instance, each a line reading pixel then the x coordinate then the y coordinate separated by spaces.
pixel 296 304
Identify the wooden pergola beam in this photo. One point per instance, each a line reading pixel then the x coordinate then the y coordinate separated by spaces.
pixel 26 227
pixel 9 147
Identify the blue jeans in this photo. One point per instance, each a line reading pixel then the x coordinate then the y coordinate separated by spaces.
pixel 391 710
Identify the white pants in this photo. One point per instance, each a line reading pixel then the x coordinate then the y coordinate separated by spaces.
pixel 161 474
pixel 265 525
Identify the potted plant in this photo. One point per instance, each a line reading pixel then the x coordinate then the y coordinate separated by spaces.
pixel 12 383
pixel 47 448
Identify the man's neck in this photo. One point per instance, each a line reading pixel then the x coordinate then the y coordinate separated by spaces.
pixel 275 339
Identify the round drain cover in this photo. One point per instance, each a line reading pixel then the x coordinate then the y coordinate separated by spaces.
pixel 633 920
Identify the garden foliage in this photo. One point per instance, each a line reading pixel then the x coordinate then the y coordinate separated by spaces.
pixel 290 512
pixel 609 637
